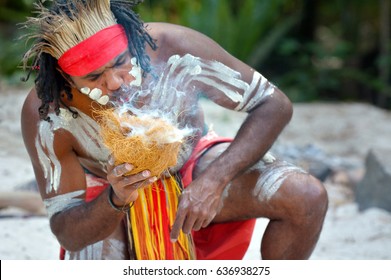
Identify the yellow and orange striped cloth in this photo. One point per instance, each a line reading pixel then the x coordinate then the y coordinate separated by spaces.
pixel 151 219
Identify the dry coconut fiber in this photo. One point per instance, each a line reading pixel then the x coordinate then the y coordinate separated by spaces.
pixel 148 143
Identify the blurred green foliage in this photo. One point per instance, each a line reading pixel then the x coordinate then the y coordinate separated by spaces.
pixel 12 13
pixel 313 50
pixel 248 29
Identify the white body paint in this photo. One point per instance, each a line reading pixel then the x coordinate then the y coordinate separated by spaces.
pixel 181 72
pixel 96 95
pixel 273 174
pixel 108 249
pixel 63 202
pixel 83 128
pixel 136 73
pixel 259 89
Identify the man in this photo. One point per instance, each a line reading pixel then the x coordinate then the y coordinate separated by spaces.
pixel 92 54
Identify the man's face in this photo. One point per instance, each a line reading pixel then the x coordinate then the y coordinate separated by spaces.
pixel 106 80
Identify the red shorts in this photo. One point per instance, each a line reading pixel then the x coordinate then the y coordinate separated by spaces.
pixel 223 241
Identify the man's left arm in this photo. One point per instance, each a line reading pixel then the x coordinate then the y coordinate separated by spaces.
pixel 240 88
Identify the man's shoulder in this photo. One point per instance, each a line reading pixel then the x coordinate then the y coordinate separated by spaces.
pixel 30 116
pixel 172 39
pixel 158 29
pixel 29 123
pixel 30 108
pixel 172 36
pixel 34 126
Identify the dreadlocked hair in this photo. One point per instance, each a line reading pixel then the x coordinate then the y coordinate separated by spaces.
pixel 135 32
pixel 54 83
pixel 66 24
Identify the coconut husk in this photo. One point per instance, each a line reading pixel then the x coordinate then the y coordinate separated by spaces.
pixel 146 142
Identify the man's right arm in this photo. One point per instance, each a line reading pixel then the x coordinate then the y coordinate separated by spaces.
pixel 83 223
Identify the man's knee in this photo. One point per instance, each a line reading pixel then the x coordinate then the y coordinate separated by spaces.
pixel 317 196
pixel 308 199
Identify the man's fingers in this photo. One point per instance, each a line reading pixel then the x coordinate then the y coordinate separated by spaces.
pixel 122 169
pixel 177 226
pixel 189 224
pixel 207 222
pixel 197 225
pixel 117 174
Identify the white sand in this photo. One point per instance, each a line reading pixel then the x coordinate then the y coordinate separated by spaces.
pixel 344 129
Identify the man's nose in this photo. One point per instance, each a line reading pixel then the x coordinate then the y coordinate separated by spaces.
pixel 113 80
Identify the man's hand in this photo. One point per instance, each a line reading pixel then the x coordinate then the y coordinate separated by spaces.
pixel 198 205
pixel 125 186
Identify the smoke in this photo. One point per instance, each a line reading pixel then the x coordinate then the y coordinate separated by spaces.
pixel 167 95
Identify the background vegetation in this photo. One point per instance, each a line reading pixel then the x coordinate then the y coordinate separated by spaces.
pixel 336 50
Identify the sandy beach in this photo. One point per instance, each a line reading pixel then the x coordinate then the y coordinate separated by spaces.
pixel 345 130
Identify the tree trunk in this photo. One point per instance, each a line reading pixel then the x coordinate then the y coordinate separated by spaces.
pixel 384 65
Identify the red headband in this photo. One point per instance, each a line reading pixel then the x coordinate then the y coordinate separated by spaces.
pixel 94 52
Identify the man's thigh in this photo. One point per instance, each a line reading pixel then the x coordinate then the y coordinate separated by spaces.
pixel 261 191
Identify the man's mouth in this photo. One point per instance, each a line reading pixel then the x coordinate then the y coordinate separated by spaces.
pixel 121 96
